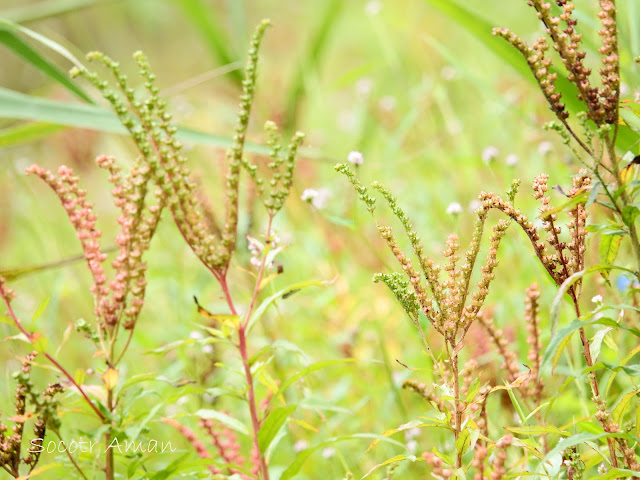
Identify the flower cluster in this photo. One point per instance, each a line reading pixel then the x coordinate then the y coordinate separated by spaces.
pixel 45 413
pixel 601 103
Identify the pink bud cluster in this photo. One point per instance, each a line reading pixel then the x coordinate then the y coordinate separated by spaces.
pixel 81 216
pixel 124 295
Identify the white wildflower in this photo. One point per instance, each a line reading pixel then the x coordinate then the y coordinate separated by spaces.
pixel 624 89
pixel 207 348
pixel 364 87
pixel 454 208
pixel 347 121
pixel 448 72
pixel 511 160
pixel 300 445
pixel 328 452
pixel 387 103
pixel 356 158
pixel 255 262
pixel 489 154
pixel 597 299
pixel 195 335
pixel 474 205
pixel 317 198
pixel 373 8
pixel 412 446
pixel 544 148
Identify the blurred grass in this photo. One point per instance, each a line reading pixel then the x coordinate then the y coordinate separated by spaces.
pixel 420 87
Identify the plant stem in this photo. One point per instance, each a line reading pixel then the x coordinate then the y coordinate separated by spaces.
pixel 458 410
pixel 242 347
pixel 18 324
pixel 71 459
pixel 109 466
pixel 595 388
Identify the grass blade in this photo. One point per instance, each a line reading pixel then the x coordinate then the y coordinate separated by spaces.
pixel 207 23
pixel 28 132
pixel 312 57
pixel 25 107
pixel 53 8
pixel 9 38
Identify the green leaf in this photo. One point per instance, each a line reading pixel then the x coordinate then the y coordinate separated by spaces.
pixel 135 431
pixel 596 343
pixel 40 310
pixel 473 390
pixel 9 38
pixel 578 439
pixel 558 344
pixel 293 468
pixel 463 442
pixel 396 459
pixel 311 368
pixel 225 419
pixel 555 306
pixel 39 342
pixel 272 424
pixel 538 430
pixel 617 473
pixel 608 251
pixel 257 314
pixel 27 133
pixel 623 405
pixel 629 215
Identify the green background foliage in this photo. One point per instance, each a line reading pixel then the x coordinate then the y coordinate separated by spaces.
pixel 420 88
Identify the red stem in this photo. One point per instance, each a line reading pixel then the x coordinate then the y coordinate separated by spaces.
pixel 49 357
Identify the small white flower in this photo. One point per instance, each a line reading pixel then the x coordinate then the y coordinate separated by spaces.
pixel 624 89
pixel 602 469
pixel 412 446
pixel 597 299
pixel 490 153
pixel 275 240
pixel 454 208
pixel 300 445
pixel 317 198
pixel 309 194
pixel 328 452
pixel 474 205
pixel 364 87
pixel 511 160
pixel 195 335
pixel 356 158
pixel 207 349
pixel 387 103
pixel 347 121
pixel 373 8
pixel 397 378
pixel 254 246
pixel 544 148
pixel 448 72
pixel 255 262
pixel 411 434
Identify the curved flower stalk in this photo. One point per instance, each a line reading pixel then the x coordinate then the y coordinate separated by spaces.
pixel 561 263
pixel 450 304
pixel 600 99
pixel 163 164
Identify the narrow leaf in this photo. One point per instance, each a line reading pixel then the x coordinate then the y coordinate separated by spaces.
pixel 272 424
